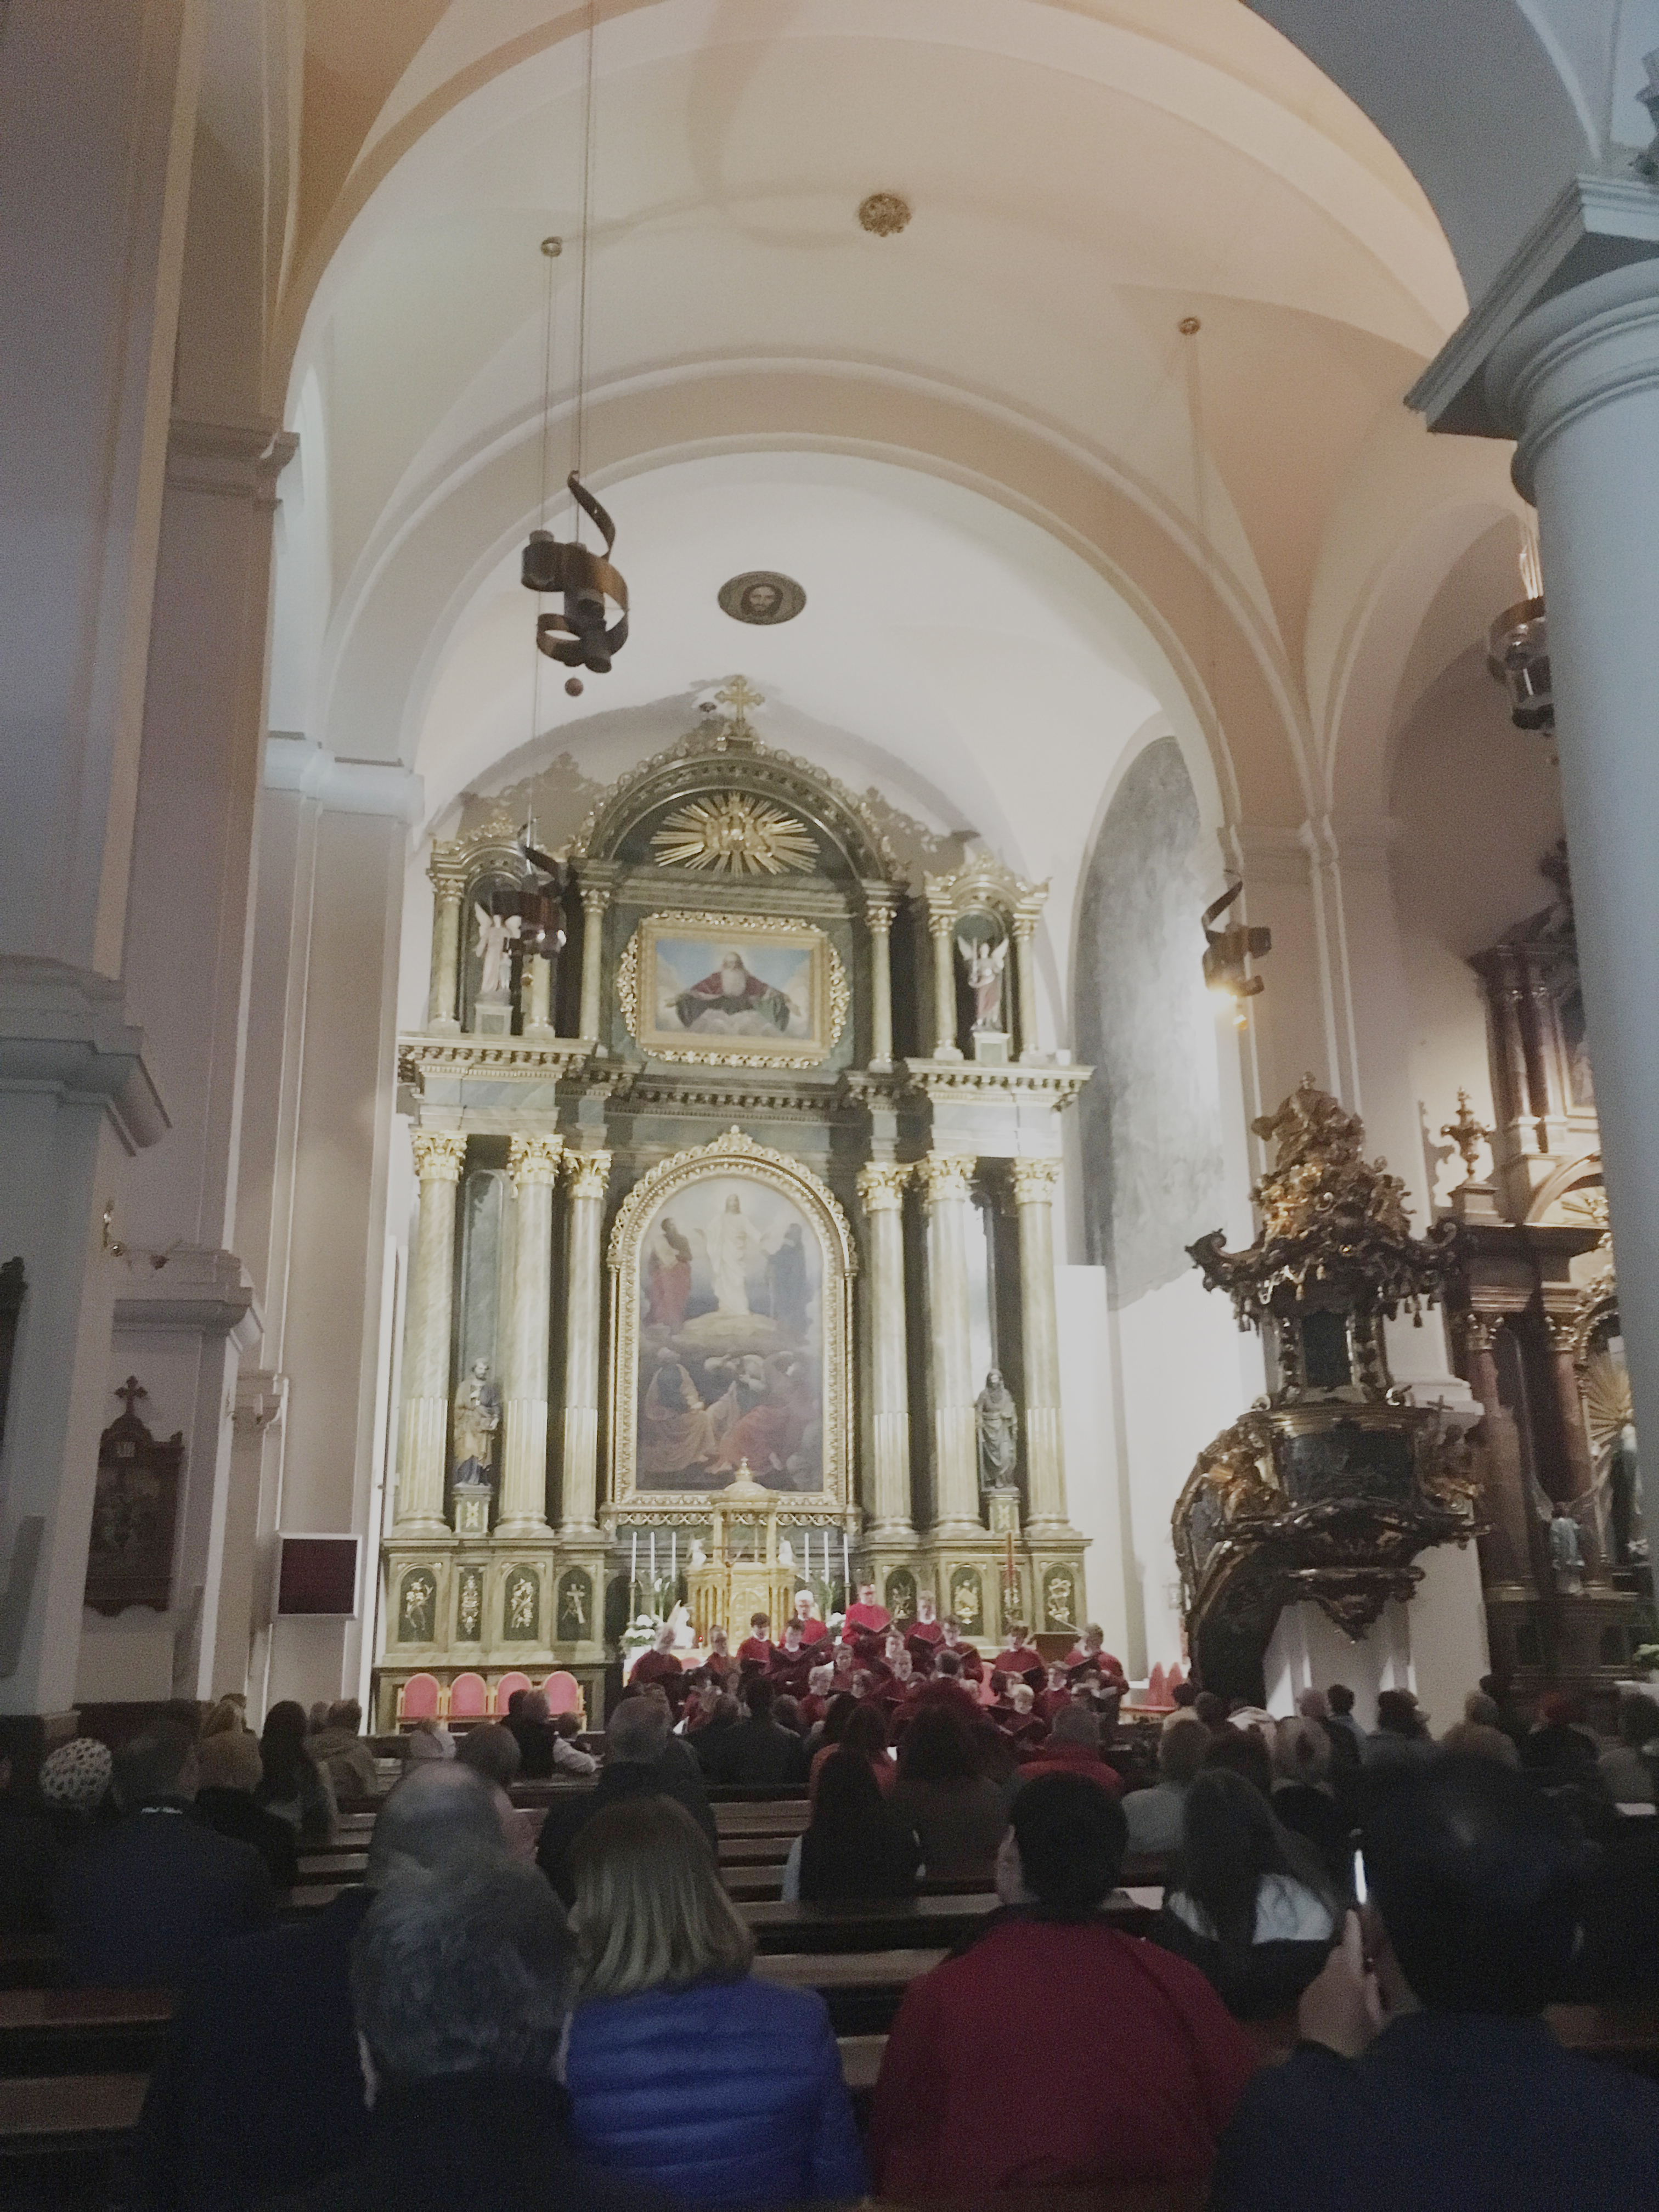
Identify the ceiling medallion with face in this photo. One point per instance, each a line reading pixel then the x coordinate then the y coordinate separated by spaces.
pixel 732 835
pixel 762 596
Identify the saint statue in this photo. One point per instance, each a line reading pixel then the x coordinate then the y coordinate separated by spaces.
pixel 731 1244
pixel 477 1417
pixel 996 1419
pixel 984 959
pixel 495 932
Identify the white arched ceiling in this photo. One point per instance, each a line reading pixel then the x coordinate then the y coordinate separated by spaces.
pixel 1082 176
pixel 1494 104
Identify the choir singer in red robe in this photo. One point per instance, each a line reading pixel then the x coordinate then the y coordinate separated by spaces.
pixel 757 1645
pixel 1019 1658
pixel 812 1629
pixel 867 1617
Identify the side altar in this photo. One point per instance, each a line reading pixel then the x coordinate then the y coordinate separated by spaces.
pixel 734 1148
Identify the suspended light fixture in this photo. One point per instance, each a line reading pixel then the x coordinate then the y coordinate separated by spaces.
pixel 1226 951
pixel 584 633
pixel 1518 648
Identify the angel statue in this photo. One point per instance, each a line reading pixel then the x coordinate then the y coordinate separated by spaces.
pixel 495 933
pixel 984 958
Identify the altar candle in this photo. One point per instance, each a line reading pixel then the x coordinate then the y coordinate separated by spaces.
pixel 654 1570
pixel 846 1566
pixel 633 1570
pixel 674 1561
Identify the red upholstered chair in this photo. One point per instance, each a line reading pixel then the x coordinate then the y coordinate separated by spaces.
pixel 468 1698
pixel 506 1688
pixel 564 1693
pixel 421 1698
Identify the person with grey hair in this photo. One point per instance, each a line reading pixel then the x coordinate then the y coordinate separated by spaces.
pixel 1154 1814
pixel 259 2089
pixel 641 1760
pixel 460 1992
pixel 146 1903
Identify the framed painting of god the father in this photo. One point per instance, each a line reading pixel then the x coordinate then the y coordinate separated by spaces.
pixel 735 989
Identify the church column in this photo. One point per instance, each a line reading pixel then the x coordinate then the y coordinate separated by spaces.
pixel 423 1441
pixel 1024 932
pixel 943 1179
pixel 590 1174
pixel 538 996
pixel 942 927
pixel 443 1014
pixel 533 1165
pixel 1032 1183
pixel 881 1194
pixel 878 904
pixel 596 898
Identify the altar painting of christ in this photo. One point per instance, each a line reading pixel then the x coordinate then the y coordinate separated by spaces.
pixel 731 1279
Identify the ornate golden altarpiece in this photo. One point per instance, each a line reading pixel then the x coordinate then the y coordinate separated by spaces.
pixel 696 1203
pixel 1535 1321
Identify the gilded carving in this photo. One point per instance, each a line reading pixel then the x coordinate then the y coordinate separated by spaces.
pixel 732 834
pixel 534 1159
pixel 590 1173
pixel 440 1154
pixel 945 1177
pixel 881 1186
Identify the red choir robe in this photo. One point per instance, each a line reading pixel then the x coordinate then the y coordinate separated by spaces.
pixel 757 1648
pixel 869 1620
pixel 654 1666
pixel 790 1668
pixel 1019 1662
pixel 1027 1736
pixel 973 1666
pixel 812 1629
pixel 1077 1661
pixel 1051 1701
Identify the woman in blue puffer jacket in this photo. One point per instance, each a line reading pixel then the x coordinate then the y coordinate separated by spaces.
pixel 681 2068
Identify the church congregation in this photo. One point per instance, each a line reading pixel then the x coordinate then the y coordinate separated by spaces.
pixel 568 2000
pixel 829 1254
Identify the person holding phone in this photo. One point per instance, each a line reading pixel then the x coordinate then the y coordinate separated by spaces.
pixel 1426 2077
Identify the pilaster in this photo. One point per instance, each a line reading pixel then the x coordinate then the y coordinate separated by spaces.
pixel 533 1163
pixel 423 1440
pixel 590 1175
pixel 881 1195
pixel 945 1181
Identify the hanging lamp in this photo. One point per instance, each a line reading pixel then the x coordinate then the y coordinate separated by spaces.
pixel 585 633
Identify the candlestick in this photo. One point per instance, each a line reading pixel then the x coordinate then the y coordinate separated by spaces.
pixel 847 1565
pixel 634 1577
pixel 674 1563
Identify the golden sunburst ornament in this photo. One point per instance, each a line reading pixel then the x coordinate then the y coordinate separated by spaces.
pixel 734 834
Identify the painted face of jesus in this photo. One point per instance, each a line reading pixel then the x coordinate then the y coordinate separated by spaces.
pixel 734 976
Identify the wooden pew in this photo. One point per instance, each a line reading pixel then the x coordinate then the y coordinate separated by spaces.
pixel 335 1866
pixel 860 2060
pixel 60 2030
pixel 862 1988
pixel 901 1923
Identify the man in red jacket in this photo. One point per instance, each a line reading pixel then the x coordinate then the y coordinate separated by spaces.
pixel 658 1664
pixel 756 1648
pixel 1018 1658
pixel 1141 2098
pixel 867 1617
pixel 973 1666
pixel 812 1629
pixel 1089 1656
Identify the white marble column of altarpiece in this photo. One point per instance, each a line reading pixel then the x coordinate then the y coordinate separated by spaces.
pixel 590 1174
pixel 424 1437
pixel 944 1180
pixel 881 1195
pixel 533 1165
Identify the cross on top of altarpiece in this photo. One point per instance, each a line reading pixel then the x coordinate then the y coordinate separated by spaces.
pixel 739 695
pixel 129 1393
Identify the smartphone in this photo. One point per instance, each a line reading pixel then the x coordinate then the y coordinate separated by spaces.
pixel 1360 1890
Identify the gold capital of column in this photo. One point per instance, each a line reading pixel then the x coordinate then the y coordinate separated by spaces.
pixel 945 1177
pixel 881 1186
pixel 534 1159
pixel 440 1154
pixel 590 1173
pixel 1031 1182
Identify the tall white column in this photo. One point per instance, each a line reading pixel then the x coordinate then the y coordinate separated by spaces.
pixel 596 898
pixel 944 1179
pixel 881 1194
pixel 423 1442
pixel 942 927
pixel 533 1165
pixel 97 133
pixel 879 902
pixel 1032 1185
pixel 590 1174
pixel 443 1004
pixel 1024 934
pixel 1577 382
